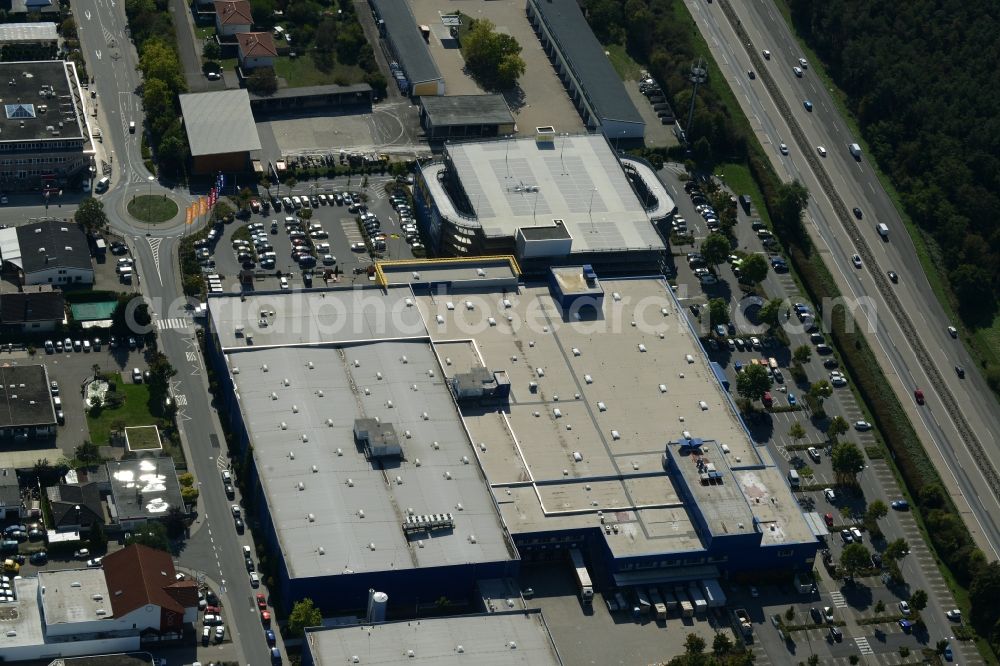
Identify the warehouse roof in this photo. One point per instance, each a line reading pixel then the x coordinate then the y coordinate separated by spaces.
pixel 75 595
pixel 144 487
pixel 489 639
pixel 593 404
pixel 520 183
pixel 32 306
pixel 219 122
pixel 588 60
pixel 331 504
pixel 407 43
pixel 460 110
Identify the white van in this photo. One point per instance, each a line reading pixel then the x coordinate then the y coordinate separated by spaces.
pixel 793 478
pixel 883 231
pixel 103 184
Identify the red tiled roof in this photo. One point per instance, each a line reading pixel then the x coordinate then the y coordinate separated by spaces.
pixel 139 575
pixel 234 12
pixel 256 44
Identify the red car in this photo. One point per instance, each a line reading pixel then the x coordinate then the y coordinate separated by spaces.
pixel 213 610
pixel 265 618
pixel 919 395
pixel 829 520
pixel 261 602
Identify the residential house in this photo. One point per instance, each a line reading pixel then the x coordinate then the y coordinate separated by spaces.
pixel 256 49
pixel 232 17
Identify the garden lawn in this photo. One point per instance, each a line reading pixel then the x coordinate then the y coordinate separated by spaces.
pixel 134 411
pixel 302 71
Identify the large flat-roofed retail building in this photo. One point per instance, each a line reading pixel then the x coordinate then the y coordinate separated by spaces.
pixel 404 435
pixel 549 199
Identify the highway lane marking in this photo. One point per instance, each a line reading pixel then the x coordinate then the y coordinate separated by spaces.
pixel 98 54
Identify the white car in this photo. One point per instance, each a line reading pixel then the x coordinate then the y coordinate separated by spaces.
pixel 862 426
pixel 798 71
pixel 329 260
pixel 82 554
pixel 220 633
pixel 766 54
pixel 95 562
pixel 856 260
pixel 813 453
pixel 254 580
pixel 952 331
pixel 286 286
pixel 830 495
pixel 904 608
pixel 297 201
pixel 357 247
pixel 821 150
pixel 783 148
pixel 803 63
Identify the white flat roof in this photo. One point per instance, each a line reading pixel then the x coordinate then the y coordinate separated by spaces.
pixel 330 504
pixel 71 595
pixel 515 183
pixel 492 639
pixel 23 617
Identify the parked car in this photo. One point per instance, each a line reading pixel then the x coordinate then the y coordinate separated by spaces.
pixel 900 505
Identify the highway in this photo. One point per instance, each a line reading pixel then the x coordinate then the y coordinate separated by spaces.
pixel 214 548
pixel 943 431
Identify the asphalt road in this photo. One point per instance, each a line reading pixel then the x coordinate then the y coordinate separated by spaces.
pixel 857 186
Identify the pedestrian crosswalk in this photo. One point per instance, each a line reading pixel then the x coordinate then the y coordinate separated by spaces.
pixel 351 231
pixel 838 600
pixel 173 323
pixel 863 645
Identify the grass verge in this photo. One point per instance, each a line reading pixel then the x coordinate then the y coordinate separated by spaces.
pixel 627 68
pixel 302 71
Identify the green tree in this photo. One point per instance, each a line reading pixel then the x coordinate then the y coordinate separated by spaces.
pixel 68 29
pixel 854 558
pixel 90 215
pixel 802 354
pixel 983 594
pixel 186 479
pixel 694 644
pixel 770 312
pixel 304 614
pixel 87 453
pixel 159 60
pixel 263 81
pixel 718 309
pixel 790 202
pixel 152 534
pixel 715 248
pixel 753 382
pixel 796 431
pixel 722 644
pixel 211 50
pixel 918 600
pixel 754 269
pixel 190 494
pixel 492 58
pixel 837 427
pixel 847 461
pixel 821 389
pixel 877 510
pixel 896 550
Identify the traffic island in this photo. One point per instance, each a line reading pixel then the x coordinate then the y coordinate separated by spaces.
pixel 152 209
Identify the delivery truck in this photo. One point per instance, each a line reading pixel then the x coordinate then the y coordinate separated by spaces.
pixel 855 150
pixel 697 598
pixel 586 588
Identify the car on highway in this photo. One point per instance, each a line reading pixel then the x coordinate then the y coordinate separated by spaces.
pixel 766 54
pixel 808 105
pixel 751 75
pixel 918 395
pixel 893 276
pixel 821 150
pixel 803 63
pixel 900 505
pixel 960 371
pixel 798 71
pixel 862 426
pixel 857 212
pixel 952 331
pixel 783 148
pixel 856 260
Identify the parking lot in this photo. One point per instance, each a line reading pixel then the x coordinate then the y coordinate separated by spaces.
pixel 331 234
pixel 540 98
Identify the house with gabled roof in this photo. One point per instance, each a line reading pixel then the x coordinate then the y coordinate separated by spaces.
pixel 232 17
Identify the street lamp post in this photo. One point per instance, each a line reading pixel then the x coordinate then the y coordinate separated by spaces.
pixel 149 201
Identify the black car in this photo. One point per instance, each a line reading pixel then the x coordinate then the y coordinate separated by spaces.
pixel 119 248
pixel 893 277
pixel 960 371
pixel 230 491
pixel 816 615
pixel 831 363
pixel 857 212
pixel 39 558
pixel 240 527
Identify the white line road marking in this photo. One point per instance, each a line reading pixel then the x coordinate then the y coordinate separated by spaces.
pixel 191 356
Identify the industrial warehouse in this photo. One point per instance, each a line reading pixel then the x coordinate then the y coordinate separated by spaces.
pixel 553 198
pixel 454 420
